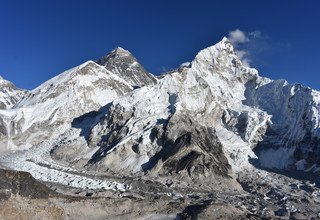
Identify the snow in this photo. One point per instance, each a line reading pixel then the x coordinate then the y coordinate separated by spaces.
pixel 185 64
pixel 217 83
pixel 9 94
pixel 217 90
pixel 65 97
pixel 55 173
pixel 236 149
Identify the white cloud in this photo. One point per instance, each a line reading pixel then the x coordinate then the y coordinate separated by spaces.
pixel 255 34
pixel 241 54
pixel 244 57
pixel 237 36
pixel 241 40
pixel 246 62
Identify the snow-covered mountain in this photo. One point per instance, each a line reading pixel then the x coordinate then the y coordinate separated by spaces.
pixel 198 127
pixel 9 94
pixel 201 122
pixel 48 110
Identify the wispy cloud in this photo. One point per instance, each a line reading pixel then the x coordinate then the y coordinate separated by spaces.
pixel 243 56
pixel 237 36
pixel 255 34
pixel 244 42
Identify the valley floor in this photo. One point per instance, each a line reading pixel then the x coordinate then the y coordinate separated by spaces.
pixel 81 195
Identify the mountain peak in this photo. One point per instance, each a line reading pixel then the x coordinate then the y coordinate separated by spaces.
pixel 122 63
pixel 224 44
pixel 225 39
pixel 210 54
pixel 114 55
pixel 119 50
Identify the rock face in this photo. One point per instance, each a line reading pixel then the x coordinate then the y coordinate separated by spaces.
pixel 49 109
pixel 122 63
pixel 293 134
pixel 200 123
pixel 23 184
pixel 205 127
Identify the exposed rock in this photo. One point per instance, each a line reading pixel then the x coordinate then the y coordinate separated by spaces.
pixel 122 63
pixel 210 134
pixel 22 184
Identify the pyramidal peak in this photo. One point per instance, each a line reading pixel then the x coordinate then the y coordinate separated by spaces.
pixel 120 50
pixel 222 53
pixel 117 53
pixel 122 63
pixel 212 127
pixel 223 46
pixel 225 40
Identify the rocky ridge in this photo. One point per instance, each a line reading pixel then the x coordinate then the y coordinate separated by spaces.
pixel 9 94
pixel 201 133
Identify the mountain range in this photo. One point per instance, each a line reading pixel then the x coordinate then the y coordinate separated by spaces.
pixel 210 130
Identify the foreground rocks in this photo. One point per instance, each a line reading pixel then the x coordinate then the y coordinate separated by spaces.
pixel 23 197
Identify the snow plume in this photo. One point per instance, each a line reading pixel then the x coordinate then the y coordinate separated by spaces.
pixel 237 36
pixel 240 40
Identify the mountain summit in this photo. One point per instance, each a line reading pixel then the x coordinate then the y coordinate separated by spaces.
pixel 208 131
pixel 122 63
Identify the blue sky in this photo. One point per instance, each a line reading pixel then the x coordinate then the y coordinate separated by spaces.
pixel 40 39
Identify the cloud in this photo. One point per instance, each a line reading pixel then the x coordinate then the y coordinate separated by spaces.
pixel 244 42
pixel 237 36
pixel 241 54
pixel 255 34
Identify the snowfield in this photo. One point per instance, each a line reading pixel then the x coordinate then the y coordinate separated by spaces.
pixel 212 125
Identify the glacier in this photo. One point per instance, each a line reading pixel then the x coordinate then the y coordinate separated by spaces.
pixel 210 125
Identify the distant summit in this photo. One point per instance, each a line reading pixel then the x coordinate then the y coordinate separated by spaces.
pixel 208 132
pixel 125 65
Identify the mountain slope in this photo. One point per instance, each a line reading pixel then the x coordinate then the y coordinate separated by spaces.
pixel 208 131
pixel 9 94
pixel 55 103
pixel 200 122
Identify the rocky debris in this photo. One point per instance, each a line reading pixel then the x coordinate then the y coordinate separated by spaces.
pixel 22 184
pixel 267 198
pixel 212 134
pixel 273 194
pixel 29 198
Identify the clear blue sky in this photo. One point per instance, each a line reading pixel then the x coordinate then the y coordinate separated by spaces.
pixel 40 39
